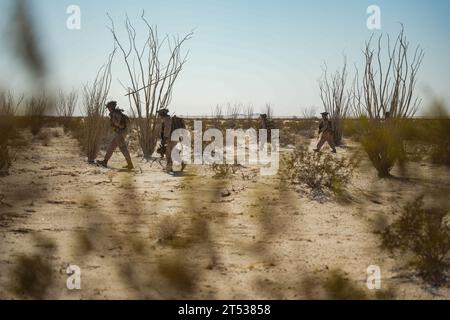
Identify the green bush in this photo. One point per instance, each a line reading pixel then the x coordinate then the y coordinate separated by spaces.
pixel 440 135
pixel 383 144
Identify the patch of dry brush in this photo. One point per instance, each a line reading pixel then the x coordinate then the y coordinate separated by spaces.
pixel 318 172
pixel 424 234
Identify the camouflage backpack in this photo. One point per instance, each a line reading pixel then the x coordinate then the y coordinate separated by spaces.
pixel 177 123
pixel 124 119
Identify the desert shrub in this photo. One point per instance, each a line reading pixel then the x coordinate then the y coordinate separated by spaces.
pixel 65 107
pixel 386 92
pixel 75 128
pixel 288 139
pixel 439 133
pixel 232 120
pixel 351 129
pixel 35 112
pixel 417 151
pixel 336 98
pixel 56 133
pixel 94 123
pixel 383 143
pixel 5 159
pixel 223 170
pixel 150 87
pixel 293 130
pixel 336 286
pixel 423 233
pixel 8 109
pixel 167 229
pixel 43 137
pixel 94 126
pixel 33 284
pixel 317 171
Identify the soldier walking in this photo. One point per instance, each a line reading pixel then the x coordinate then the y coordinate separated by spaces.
pixel 267 124
pixel 119 122
pixel 325 133
pixel 167 127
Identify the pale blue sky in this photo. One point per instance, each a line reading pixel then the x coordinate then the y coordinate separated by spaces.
pixel 246 51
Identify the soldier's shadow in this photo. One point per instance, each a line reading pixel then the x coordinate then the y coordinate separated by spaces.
pixel 180 174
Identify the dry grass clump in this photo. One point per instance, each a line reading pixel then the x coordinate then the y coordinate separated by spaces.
pixel 424 234
pixel 336 286
pixel 167 229
pixel 383 142
pixel 439 134
pixel 8 109
pixel 36 108
pixel 32 275
pixel 94 123
pixel 383 150
pixel 293 130
pixel 224 170
pixel 65 107
pixel 94 126
pixel 44 137
pixel 317 171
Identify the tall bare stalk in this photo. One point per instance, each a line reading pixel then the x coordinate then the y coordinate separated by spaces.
pixel 66 105
pixel 309 113
pixel 268 110
pixel 390 78
pixel 8 109
pixel 95 95
pixel 36 108
pixel 335 98
pixel 151 81
pixel 387 95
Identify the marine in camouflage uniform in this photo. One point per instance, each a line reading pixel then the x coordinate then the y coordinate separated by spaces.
pixel 266 123
pixel 326 129
pixel 166 139
pixel 120 131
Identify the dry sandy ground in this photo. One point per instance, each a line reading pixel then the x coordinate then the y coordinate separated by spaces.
pixel 146 234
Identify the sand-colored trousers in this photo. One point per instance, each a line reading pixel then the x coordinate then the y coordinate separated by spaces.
pixel 118 141
pixel 327 136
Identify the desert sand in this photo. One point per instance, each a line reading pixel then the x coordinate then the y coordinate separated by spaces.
pixel 149 235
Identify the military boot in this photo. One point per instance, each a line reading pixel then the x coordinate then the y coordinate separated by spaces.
pixel 103 163
pixel 127 156
pixel 168 168
pixel 129 166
